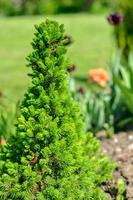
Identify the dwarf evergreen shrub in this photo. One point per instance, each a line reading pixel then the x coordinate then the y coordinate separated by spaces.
pixel 49 158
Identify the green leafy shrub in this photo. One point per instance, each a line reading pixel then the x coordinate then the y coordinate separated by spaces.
pixel 49 157
pixel 47 7
pixel 8 7
pixel 102 6
pixel 33 7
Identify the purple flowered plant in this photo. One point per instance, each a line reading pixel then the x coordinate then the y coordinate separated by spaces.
pixel 115 18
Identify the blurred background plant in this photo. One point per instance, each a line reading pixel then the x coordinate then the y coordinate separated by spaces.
pixel 124 80
pixel 96 102
pixel 122 19
pixel 33 7
pixel 106 97
pixel 8 115
pixel 95 98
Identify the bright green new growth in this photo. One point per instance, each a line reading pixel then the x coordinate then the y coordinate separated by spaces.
pixel 49 158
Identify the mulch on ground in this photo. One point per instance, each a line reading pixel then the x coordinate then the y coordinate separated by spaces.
pixel 120 149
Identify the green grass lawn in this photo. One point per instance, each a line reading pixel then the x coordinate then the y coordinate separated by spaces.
pixel 92 47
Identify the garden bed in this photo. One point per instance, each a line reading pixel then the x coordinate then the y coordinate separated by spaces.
pixel 120 149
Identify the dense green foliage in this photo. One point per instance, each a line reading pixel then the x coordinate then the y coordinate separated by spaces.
pixel 49 157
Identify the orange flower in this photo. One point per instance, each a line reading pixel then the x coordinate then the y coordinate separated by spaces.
pixel 99 76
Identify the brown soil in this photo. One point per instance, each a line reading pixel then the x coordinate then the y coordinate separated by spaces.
pixel 120 149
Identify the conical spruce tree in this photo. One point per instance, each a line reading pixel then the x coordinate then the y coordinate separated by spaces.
pixel 49 157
